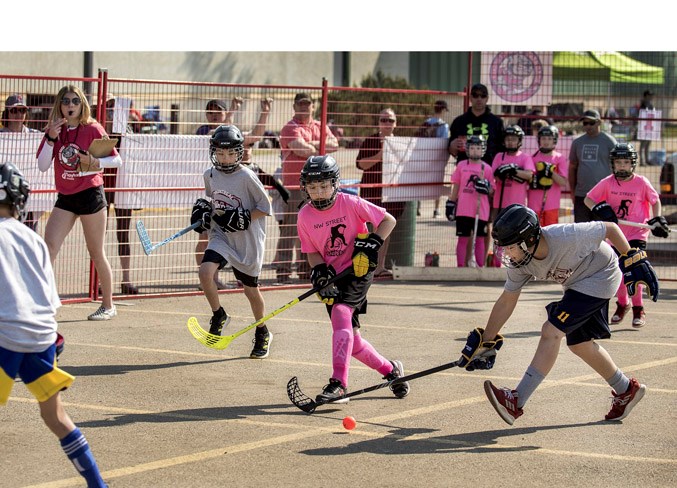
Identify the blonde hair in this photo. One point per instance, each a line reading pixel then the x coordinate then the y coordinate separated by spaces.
pixel 85 113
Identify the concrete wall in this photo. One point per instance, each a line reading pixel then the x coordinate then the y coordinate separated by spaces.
pixel 279 68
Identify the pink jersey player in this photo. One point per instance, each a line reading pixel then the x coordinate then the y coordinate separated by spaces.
pixel 545 191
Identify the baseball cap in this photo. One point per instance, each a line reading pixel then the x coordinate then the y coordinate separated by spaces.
pixel 15 100
pixel 302 96
pixel 441 105
pixel 590 114
pixel 479 88
pixel 219 103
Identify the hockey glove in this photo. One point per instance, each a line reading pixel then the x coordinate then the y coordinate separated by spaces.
pixel 450 210
pixel 543 175
pixel 506 171
pixel 476 347
pixel 660 226
pixel 233 220
pixel 319 276
pixel 365 253
pixel 202 211
pixel 603 211
pixel 636 269
pixel 482 186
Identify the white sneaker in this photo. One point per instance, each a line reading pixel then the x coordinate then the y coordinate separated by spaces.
pixel 103 313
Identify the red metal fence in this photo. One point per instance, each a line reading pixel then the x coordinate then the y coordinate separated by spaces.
pixel 164 159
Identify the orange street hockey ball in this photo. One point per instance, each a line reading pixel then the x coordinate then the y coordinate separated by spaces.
pixel 349 423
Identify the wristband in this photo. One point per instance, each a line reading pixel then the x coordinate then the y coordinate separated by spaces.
pixel 50 139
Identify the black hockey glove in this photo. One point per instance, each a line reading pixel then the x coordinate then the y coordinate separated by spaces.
pixel 603 211
pixel 365 253
pixel 202 211
pixel 660 226
pixel 636 269
pixel 233 220
pixel 482 186
pixel 450 210
pixel 506 171
pixel 543 176
pixel 319 276
pixel 477 348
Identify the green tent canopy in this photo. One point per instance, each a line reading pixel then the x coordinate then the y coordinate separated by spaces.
pixel 610 66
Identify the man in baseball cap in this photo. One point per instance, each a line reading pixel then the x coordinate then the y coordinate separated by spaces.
pixel 303 97
pixel 15 100
pixel 590 115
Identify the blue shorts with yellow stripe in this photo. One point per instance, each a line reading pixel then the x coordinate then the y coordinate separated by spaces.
pixel 581 317
pixel 37 370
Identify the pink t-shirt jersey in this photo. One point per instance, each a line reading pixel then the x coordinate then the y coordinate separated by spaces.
pixel 552 199
pixel 291 163
pixel 631 200
pixel 68 180
pixel 332 232
pixel 514 192
pixel 464 177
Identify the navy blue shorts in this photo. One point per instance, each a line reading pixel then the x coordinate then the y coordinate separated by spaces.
pixel 466 225
pixel 353 292
pixel 581 317
pixel 211 256
pixel 85 202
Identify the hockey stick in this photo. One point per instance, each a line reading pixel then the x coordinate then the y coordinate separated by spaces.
pixel 472 262
pixel 542 212
pixel 145 238
pixel 308 405
pixel 214 341
pixel 643 226
pixel 491 263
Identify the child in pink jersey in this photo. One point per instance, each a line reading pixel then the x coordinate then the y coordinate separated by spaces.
pixel 543 196
pixel 513 169
pixel 627 196
pixel 333 230
pixel 470 187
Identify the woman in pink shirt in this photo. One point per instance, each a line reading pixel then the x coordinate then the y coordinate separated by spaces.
pixel 626 196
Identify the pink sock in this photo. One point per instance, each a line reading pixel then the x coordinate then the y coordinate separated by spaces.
pixel 622 294
pixel 367 355
pixel 461 251
pixel 342 341
pixel 479 251
pixel 637 298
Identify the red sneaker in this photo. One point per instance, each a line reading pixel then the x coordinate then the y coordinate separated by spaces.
pixel 504 402
pixel 622 404
pixel 620 312
pixel 638 317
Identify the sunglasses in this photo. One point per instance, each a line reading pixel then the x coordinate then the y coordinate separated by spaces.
pixel 387 120
pixel 21 110
pixel 68 101
pixel 587 122
pixel 478 95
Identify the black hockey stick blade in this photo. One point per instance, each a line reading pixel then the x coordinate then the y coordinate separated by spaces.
pixel 298 398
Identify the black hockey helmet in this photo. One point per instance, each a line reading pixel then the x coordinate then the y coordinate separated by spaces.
pixel 226 137
pixel 476 140
pixel 548 131
pixel 14 188
pixel 514 130
pixel 321 168
pixel 517 224
pixel 623 150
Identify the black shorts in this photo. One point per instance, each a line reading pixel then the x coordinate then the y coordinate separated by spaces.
pixel 211 256
pixel 581 317
pixel 466 225
pixel 353 292
pixel 85 202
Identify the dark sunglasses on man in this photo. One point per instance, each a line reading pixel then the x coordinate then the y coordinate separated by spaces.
pixel 18 110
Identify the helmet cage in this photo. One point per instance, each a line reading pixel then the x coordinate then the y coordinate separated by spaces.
pixel 321 168
pixel 476 140
pixel 226 137
pixel 517 224
pixel 513 130
pixel 548 131
pixel 623 151
pixel 14 188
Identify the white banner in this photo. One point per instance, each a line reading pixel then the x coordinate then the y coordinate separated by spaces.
pixel 517 77
pixel 414 160
pixel 161 161
pixel 649 130
pixel 21 150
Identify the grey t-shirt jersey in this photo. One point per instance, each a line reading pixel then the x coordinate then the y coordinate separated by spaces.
pixel 578 258
pixel 241 189
pixel 28 296
pixel 592 156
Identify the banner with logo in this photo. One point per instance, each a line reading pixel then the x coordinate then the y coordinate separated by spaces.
pixel 649 129
pixel 517 77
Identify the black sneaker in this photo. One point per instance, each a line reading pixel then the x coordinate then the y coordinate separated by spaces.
pixel 261 345
pixel 400 390
pixel 334 389
pixel 219 320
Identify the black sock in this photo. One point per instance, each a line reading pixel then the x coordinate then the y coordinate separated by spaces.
pixel 220 312
pixel 263 330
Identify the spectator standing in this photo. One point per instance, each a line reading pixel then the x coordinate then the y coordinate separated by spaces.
pixel 216 113
pixel 78 178
pixel 14 121
pixel 588 162
pixel 435 126
pixel 478 120
pixel 645 104
pixel 299 140
pixel 370 161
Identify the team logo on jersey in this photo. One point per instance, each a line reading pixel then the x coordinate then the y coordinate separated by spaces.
pixel 559 275
pixel 223 200
pixel 623 209
pixel 69 156
pixel 336 244
pixel 516 76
